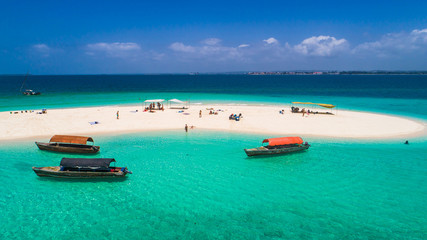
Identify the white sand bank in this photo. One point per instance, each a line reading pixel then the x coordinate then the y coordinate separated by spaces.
pixel 256 119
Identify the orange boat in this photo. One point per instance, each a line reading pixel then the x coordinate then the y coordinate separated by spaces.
pixel 279 146
pixel 69 144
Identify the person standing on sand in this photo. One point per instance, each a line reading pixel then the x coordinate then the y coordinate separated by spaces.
pixel 186 128
pixel 117 114
pixel 200 114
pixel 303 111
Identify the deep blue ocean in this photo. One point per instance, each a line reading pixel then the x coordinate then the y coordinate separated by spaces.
pixel 201 185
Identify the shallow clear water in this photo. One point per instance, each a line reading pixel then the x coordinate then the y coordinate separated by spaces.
pixel 201 185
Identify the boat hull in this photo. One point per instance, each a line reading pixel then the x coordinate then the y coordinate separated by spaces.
pixel 31 94
pixel 68 148
pixel 275 151
pixel 55 172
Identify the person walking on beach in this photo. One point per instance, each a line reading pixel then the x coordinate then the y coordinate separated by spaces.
pixel 186 128
pixel 117 114
pixel 200 114
pixel 303 112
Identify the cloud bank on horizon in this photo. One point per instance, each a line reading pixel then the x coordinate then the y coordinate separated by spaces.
pixel 254 56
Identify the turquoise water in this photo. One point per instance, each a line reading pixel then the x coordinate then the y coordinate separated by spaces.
pixel 201 185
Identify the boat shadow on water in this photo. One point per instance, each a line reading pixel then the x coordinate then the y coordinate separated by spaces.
pixel 287 157
pixel 278 155
pixel 78 180
pixel 50 153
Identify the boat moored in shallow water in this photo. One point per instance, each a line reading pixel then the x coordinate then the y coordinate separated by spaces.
pixel 69 144
pixel 278 146
pixel 83 168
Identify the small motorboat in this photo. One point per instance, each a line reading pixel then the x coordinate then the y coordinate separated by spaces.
pixel 30 92
pixel 278 146
pixel 83 168
pixel 69 144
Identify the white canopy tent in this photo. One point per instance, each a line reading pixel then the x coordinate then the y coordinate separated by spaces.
pixel 176 100
pixel 153 103
pixel 154 100
pixel 178 104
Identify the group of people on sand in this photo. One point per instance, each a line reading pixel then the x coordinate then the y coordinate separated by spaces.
pixel 295 109
pixel 235 117
pixel 26 111
pixel 303 111
pixel 152 106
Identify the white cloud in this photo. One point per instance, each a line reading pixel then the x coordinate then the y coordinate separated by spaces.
pixel 325 49
pixel 321 46
pixel 117 46
pixel 416 31
pixel 211 41
pixel 244 45
pixel 395 44
pixel 116 49
pixel 210 50
pixel 386 44
pixel 180 47
pixel 157 56
pixel 419 35
pixel 42 49
pixel 271 41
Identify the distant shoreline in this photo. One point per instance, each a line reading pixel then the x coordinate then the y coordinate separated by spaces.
pixel 340 73
pixel 262 73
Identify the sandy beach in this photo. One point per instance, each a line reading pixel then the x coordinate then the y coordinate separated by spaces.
pixel 256 119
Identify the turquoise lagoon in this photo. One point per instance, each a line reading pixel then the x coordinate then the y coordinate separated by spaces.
pixel 201 185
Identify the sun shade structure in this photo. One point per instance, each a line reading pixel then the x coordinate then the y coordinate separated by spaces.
pixel 86 162
pixel 154 100
pixel 318 104
pixel 70 139
pixel 283 141
pixel 178 104
pixel 176 101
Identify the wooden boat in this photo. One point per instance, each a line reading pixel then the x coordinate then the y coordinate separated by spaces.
pixel 69 144
pixel 279 146
pixel 83 168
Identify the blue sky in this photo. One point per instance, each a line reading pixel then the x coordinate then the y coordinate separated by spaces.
pixel 93 37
